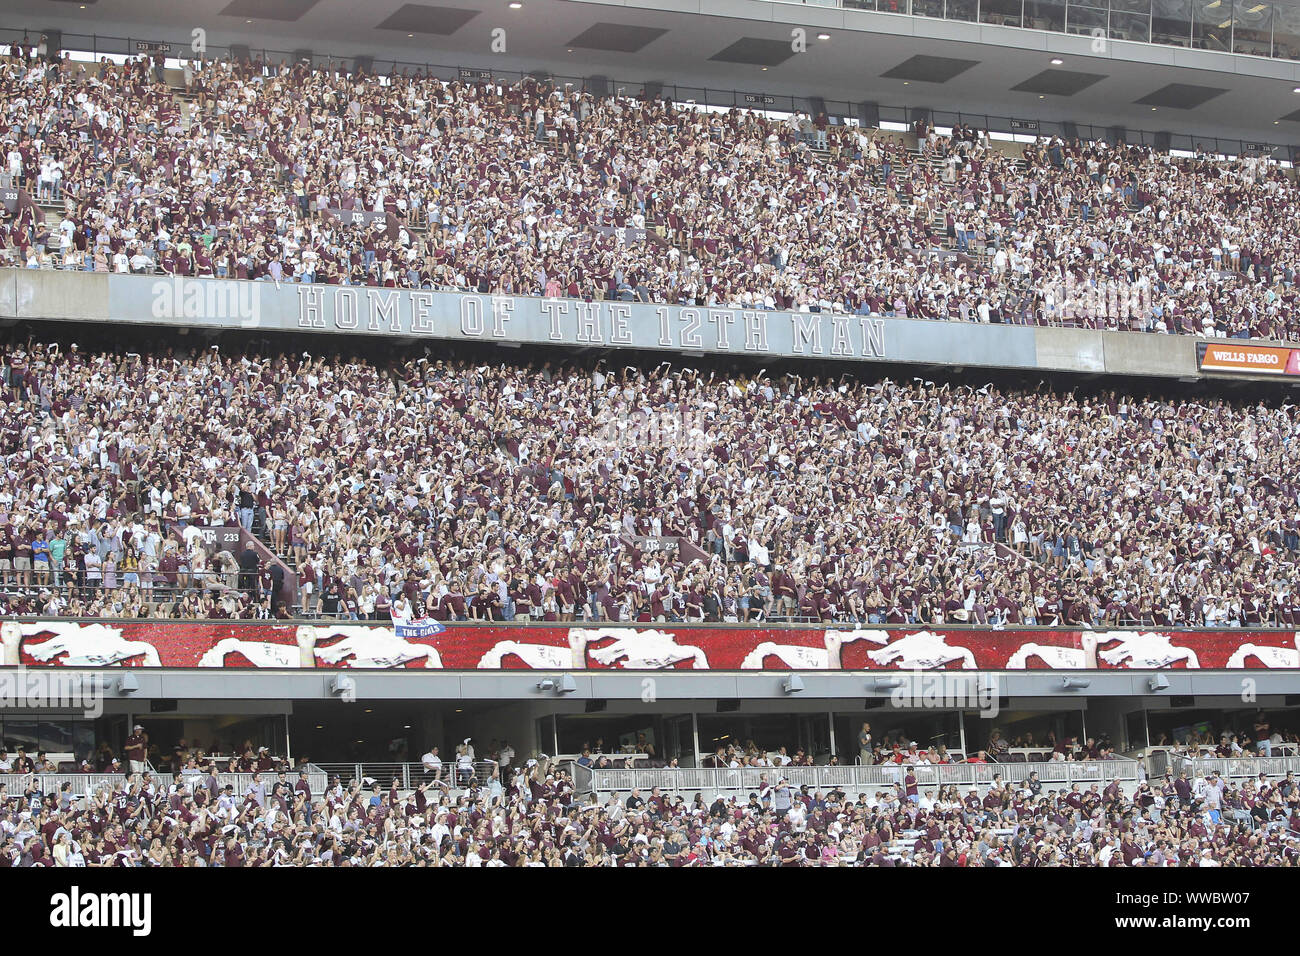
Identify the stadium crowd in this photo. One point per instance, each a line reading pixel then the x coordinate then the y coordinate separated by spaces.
pixel 533 818
pixel 409 487
pixel 519 190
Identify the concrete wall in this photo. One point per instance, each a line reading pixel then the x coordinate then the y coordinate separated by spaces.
pixel 261 306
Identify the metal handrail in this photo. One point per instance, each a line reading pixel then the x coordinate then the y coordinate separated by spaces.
pixel 681 625
pixel 1234 767
pixel 1061 772
pixel 409 774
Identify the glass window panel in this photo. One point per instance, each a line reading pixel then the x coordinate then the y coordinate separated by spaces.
pixel 961 10
pixel 860 4
pixel 1045 15
pixel 1171 22
pixel 1212 25
pixel 83 739
pixel 55 736
pixel 20 732
pixel 893 6
pixel 1086 20
pixel 1286 31
pixel 927 8
pixel 1000 12
pixel 1252 27
pixel 1130 26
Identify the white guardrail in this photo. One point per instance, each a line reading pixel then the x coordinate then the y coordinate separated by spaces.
pixel 84 784
pixel 1234 768
pixel 408 775
pixel 1052 774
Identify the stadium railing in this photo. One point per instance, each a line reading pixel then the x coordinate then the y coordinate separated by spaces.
pixel 408 775
pixel 84 784
pixel 317 779
pixel 1234 768
pixel 748 779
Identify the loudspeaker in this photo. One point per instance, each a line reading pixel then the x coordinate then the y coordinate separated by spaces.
pixel 1162 142
pixel 240 53
pixel 1069 131
pixel 869 114
pixel 598 86
pixel 595 706
pixel 728 704
pixel 1116 134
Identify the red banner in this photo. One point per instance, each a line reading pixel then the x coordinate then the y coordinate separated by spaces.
pixel 510 647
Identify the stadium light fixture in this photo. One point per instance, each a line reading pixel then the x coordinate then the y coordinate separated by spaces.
pixel 889 683
pixel 341 685
pixel 546 684
pixel 516 5
pixel 792 684
pixel 823 36
pixel 127 684
pixel 1057 61
pixel 1157 682
pixel 1296 90
pixel 1074 683
pixel 567 684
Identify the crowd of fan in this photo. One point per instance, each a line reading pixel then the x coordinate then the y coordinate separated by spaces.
pixel 516 190
pixel 442 488
pixel 532 817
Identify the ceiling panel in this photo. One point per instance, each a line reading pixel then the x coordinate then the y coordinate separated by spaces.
pixel 930 69
pixel 1059 82
pixel 617 37
pixel 756 52
pixel 421 18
